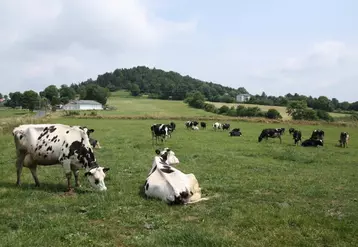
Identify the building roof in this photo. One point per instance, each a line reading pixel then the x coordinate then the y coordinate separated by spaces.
pixel 84 102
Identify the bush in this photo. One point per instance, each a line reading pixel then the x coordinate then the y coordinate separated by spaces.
pixel 273 114
pixel 321 114
pixel 210 108
pixel 224 109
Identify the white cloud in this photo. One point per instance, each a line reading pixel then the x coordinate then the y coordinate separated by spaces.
pixel 55 42
pixel 326 67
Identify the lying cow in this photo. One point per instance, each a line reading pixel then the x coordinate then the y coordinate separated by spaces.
pixel 272 133
pixel 317 135
pixel 297 136
pixel 312 143
pixel 169 184
pixel 51 144
pixel 194 127
pixel 190 124
pixel 343 139
pixel 235 132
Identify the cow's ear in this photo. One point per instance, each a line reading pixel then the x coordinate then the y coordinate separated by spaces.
pixel 106 169
pixel 157 151
pixel 88 173
pixel 91 130
pixel 168 150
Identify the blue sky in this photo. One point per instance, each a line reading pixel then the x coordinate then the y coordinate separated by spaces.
pixel 276 46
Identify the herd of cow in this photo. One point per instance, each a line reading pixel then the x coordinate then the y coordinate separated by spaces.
pixel 73 148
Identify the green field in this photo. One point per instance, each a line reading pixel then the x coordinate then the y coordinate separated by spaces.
pixel 130 106
pixel 8 112
pixel 266 194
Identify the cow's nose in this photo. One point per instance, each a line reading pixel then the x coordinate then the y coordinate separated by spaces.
pixel 103 188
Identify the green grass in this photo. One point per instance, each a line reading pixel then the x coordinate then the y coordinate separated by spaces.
pixel 269 194
pixel 132 106
pixel 8 112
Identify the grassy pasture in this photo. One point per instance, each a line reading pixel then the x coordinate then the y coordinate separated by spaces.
pixel 131 106
pixel 8 112
pixel 268 194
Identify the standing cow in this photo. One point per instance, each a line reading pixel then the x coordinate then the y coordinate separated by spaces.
pixel 217 126
pixel 343 139
pixel 203 125
pixel 160 131
pixel 297 136
pixel 52 144
pixel 272 133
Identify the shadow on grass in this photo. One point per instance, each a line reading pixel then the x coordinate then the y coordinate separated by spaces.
pixel 47 187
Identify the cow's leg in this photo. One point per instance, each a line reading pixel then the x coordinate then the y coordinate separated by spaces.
pixel 19 165
pixel 279 137
pixel 33 169
pixel 66 164
pixel 75 174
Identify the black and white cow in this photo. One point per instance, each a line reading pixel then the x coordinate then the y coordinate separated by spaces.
pixel 160 131
pixel 217 126
pixel 343 139
pixel 317 135
pixel 172 126
pixel 272 133
pixel 168 183
pixel 190 124
pixel 203 125
pixel 297 136
pixel 226 126
pixel 52 144
pixel 312 143
pixel 235 132
pixel 291 130
pixel 281 130
pixel 94 142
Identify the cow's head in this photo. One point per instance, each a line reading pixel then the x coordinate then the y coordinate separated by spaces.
pixel 96 177
pixel 168 156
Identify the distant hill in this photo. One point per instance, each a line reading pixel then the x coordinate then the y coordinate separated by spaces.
pixel 159 84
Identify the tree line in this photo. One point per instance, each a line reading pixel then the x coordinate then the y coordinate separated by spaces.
pixel 159 84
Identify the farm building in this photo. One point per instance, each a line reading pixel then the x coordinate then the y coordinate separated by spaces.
pixel 83 105
pixel 242 97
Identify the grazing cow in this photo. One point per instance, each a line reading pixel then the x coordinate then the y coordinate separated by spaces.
pixel 190 124
pixel 169 184
pixel 235 132
pixel 52 144
pixel 297 136
pixel 291 130
pixel 161 131
pixel 343 140
pixel 281 130
pixel 217 126
pixel 203 125
pixel 317 135
pixel 272 133
pixel 312 143
pixel 94 143
pixel 226 126
pixel 194 127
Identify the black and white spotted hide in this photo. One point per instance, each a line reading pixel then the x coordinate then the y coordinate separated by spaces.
pixel 52 144
pixel 170 185
pixel 160 131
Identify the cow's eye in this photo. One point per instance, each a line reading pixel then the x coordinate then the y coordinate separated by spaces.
pixel 96 181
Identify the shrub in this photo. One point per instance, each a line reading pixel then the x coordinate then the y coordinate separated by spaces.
pixel 71 113
pixel 321 114
pixel 224 109
pixel 273 114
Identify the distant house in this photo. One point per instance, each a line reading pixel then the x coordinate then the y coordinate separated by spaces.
pixel 2 100
pixel 243 97
pixel 83 105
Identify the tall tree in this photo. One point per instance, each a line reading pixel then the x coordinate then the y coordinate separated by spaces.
pixel 30 100
pixel 51 93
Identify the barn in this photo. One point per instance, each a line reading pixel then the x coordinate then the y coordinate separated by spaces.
pixel 83 105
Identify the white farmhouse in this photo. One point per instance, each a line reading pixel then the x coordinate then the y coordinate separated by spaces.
pixel 243 97
pixel 83 105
